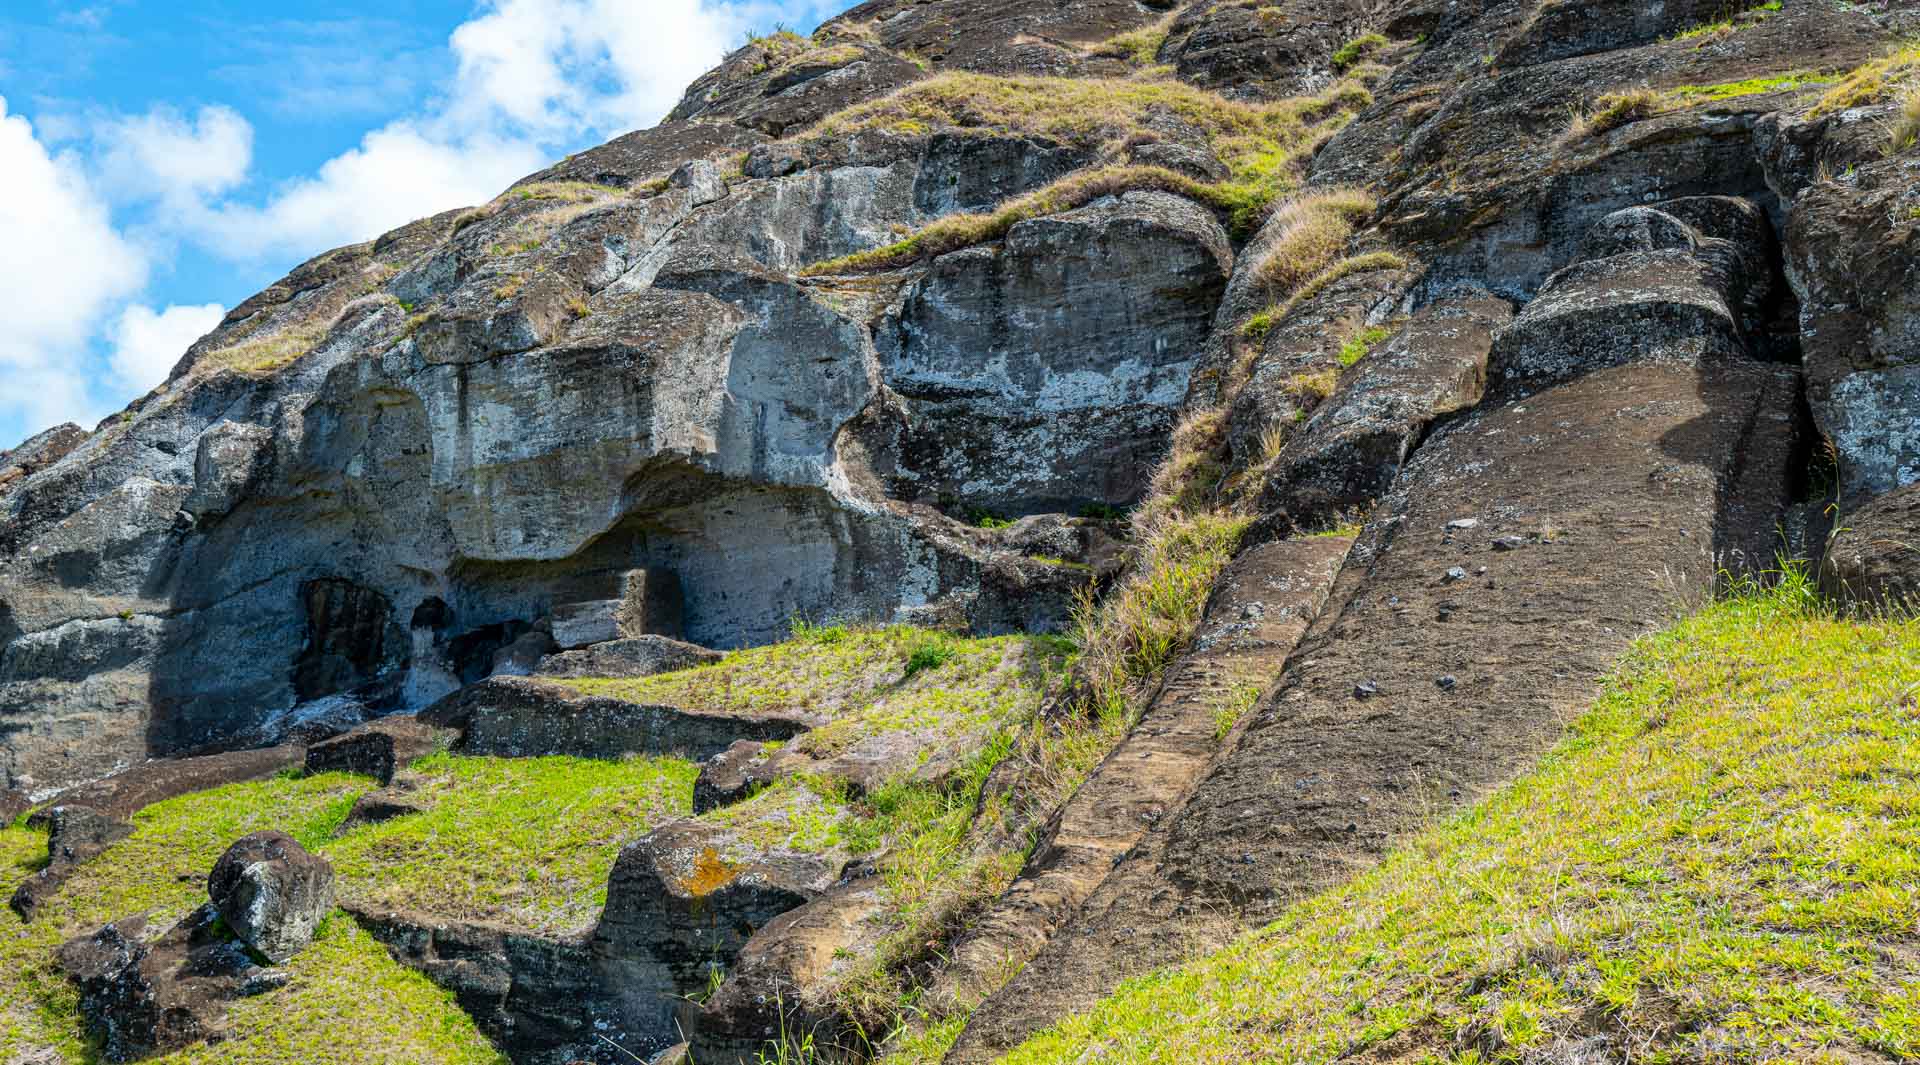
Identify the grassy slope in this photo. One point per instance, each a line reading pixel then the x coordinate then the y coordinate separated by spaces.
pixel 529 842
pixel 522 842
pixel 1720 863
pixel 398 1016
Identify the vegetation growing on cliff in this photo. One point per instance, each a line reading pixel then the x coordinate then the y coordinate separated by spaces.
pixel 1263 146
pixel 1719 861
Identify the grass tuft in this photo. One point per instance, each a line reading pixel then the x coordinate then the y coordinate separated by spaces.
pixel 1871 82
pixel 1613 110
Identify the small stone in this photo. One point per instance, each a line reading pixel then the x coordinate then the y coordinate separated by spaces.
pixel 1457 573
pixel 1447 683
pixel 1509 543
pixel 1463 524
pixel 1481 572
pixel 261 981
pixel 1365 691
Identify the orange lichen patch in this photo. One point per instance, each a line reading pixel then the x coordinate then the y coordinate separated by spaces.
pixel 710 873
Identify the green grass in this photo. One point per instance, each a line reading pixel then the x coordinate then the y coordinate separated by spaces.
pixel 1728 90
pixel 1357 49
pixel 1721 862
pixel 395 1015
pixel 1725 27
pixel 522 842
pixel 1267 320
pixel 865 681
pixel 1362 345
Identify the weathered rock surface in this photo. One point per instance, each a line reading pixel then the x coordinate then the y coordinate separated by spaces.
pixel 776 985
pixel 272 893
pixel 126 793
pixel 75 835
pixel 523 718
pixel 1854 259
pixel 39 451
pixel 145 997
pixel 1350 451
pixel 381 748
pixel 642 656
pixel 1874 560
pixel 1034 377
pixel 540 998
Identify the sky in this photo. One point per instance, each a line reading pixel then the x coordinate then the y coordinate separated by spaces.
pixel 162 160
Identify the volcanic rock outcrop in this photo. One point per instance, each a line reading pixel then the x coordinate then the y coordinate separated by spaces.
pixel 1494 332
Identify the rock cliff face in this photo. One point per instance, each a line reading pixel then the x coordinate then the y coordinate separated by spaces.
pixel 1569 308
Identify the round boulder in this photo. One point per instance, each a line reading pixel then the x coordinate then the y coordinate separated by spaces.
pixel 272 893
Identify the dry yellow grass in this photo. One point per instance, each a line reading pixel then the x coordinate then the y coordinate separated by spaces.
pixel 1313 233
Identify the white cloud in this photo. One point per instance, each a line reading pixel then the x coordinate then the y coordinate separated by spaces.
pixel 146 345
pixel 398 173
pixel 533 78
pixel 65 267
pixel 162 155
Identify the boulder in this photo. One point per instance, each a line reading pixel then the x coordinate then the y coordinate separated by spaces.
pixel 517 717
pixel 38 452
pixel 523 656
pixel 272 893
pixel 735 773
pixel 1666 297
pixel 642 656
pixel 603 607
pixel 12 805
pixel 379 748
pixel 1873 561
pixel 783 982
pixel 1853 256
pixel 689 895
pixel 141 997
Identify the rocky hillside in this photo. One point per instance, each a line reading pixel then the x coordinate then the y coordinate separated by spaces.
pixel 1035 529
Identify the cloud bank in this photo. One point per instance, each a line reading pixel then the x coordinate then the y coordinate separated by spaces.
pixel 530 79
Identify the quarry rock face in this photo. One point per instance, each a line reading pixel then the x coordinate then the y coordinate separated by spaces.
pixel 1564 368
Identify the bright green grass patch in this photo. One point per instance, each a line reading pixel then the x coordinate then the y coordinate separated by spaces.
pixel 1728 90
pixel 389 1013
pixel 1728 26
pixel 1722 862
pixel 864 680
pixel 1362 345
pixel 526 842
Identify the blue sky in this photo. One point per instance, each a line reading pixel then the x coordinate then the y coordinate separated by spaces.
pixel 161 160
